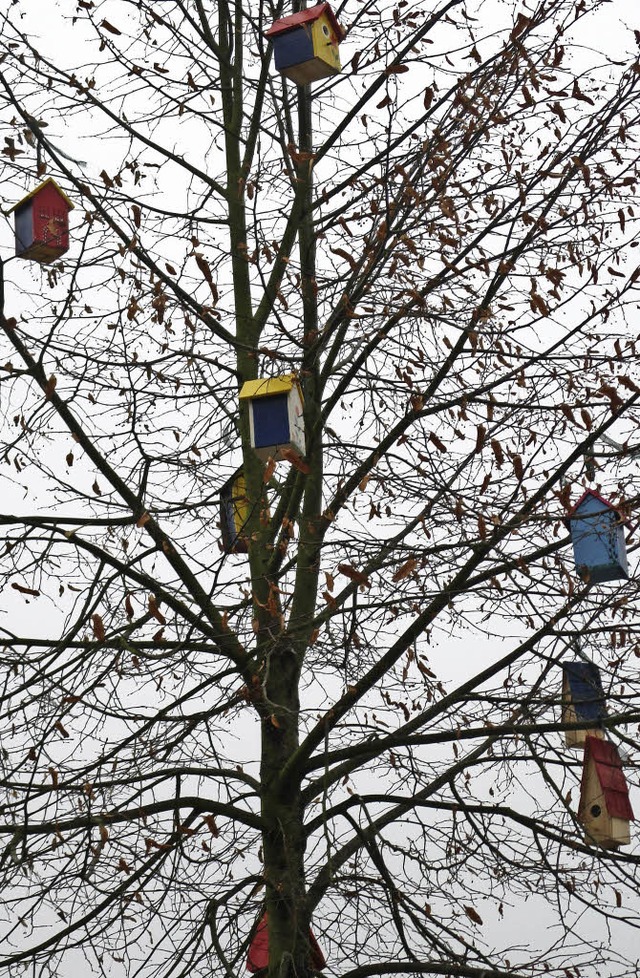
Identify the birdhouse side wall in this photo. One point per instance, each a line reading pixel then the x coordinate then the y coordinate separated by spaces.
pixel 24 228
pixel 296 422
pixel 293 47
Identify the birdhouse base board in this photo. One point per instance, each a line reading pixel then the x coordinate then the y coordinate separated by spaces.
pixel 42 253
pixel 309 71
pixel 279 453
pixel 603 572
pixel 615 833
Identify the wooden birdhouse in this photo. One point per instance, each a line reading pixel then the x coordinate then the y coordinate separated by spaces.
pixel 275 416
pixel 305 45
pixel 258 956
pixel 42 223
pixel 597 534
pixel 582 699
pixel 605 809
pixel 234 511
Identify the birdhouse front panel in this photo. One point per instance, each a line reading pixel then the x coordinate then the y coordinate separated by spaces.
pixel 234 512
pixel 597 534
pixel 270 421
pixel 42 224
pixel 582 699
pixel 605 809
pixel 325 42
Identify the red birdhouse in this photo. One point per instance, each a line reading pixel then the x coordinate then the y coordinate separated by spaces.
pixel 42 223
pixel 258 957
pixel 605 809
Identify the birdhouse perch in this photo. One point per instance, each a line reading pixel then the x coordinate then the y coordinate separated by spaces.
pixel 275 416
pixel 582 699
pixel 42 223
pixel 305 45
pixel 597 534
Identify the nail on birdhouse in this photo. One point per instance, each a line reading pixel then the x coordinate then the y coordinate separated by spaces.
pixel 605 810
pixel 234 512
pixel 275 416
pixel 305 45
pixel 597 534
pixel 42 223
pixel 258 956
pixel 583 699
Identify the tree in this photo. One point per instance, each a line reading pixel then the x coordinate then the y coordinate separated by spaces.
pixel 355 725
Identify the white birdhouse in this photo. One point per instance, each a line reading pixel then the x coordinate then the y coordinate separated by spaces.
pixel 275 416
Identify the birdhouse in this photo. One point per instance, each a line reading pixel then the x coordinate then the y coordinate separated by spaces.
pixel 597 534
pixel 275 416
pixel 305 45
pixel 42 223
pixel 582 699
pixel 234 511
pixel 258 956
pixel 605 809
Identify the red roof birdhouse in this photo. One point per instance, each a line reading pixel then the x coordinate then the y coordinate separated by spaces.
pixel 605 809
pixel 258 957
pixel 305 45
pixel 42 223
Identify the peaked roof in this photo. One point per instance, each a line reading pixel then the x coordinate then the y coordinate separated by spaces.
pixel 305 17
pixel 596 495
pixel 37 190
pixel 610 775
pixel 258 957
pixel 585 686
pixel 592 494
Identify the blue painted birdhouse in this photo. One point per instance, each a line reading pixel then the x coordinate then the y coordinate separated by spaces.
pixel 275 416
pixel 234 511
pixel 597 534
pixel 42 223
pixel 582 699
pixel 305 45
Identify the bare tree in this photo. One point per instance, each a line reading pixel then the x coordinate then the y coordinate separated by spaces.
pixel 354 726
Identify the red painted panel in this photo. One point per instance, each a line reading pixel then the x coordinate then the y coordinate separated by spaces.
pixel 258 957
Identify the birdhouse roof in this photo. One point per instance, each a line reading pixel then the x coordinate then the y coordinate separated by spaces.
pixel 258 957
pixel 585 686
pixel 41 186
pixel 266 386
pixel 305 17
pixel 608 767
pixel 586 497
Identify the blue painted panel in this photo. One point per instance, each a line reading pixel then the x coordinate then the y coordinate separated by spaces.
pixel 292 48
pixel 585 686
pixel 598 542
pixel 24 228
pixel 270 420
